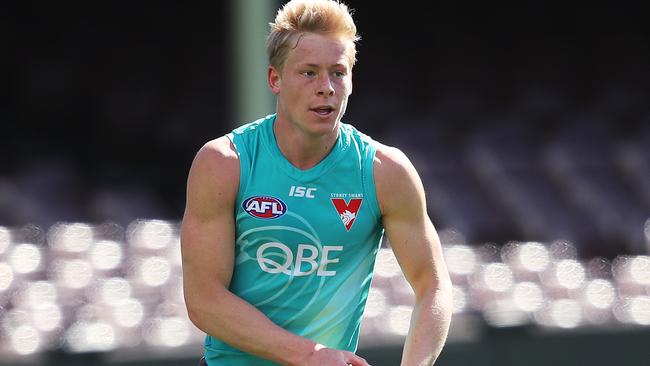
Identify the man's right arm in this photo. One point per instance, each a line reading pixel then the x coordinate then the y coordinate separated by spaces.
pixel 208 249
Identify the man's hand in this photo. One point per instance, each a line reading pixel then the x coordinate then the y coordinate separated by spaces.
pixel 323 356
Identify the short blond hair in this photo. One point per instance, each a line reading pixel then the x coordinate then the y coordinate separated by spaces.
pixel 327 17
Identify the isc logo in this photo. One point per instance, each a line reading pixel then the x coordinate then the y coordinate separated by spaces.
pixel 264 207
pixel 298 191
pixel 274 257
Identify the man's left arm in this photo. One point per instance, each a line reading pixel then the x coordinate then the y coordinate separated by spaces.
pixel 417 248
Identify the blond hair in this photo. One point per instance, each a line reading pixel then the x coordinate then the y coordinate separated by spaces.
pixel 327 17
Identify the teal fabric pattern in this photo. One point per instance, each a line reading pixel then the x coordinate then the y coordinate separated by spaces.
pixel 306 240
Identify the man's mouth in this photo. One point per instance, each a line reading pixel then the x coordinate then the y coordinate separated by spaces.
pixel 323 110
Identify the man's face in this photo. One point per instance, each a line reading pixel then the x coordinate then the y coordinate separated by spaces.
pixel 314 84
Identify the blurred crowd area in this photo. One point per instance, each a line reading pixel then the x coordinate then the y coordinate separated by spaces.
pixel 529 125
pixel 80 288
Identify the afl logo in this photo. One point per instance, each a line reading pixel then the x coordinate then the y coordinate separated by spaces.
pixel 264 207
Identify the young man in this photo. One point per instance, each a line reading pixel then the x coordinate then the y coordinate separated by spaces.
pixel 285 215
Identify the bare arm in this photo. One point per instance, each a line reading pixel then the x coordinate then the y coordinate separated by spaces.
pixel 415 243
pixel 208 249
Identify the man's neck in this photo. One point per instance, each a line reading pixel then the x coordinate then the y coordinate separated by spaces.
pixel 302 150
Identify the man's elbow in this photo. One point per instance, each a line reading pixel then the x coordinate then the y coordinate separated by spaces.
pixel 443 291
pixel 194 313
pixel 201 306
pixel 444 299
pixel 439 299
pixel 198 309
pixel 427 285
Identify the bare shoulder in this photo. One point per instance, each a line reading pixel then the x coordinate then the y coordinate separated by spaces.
pixel 216 157
pixel 220 150
pixel 214 175
pixel 396 179
pixel 393 168
pixel 390 160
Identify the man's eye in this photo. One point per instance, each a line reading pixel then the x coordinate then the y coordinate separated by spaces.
pixel 339 74
pixel 309 73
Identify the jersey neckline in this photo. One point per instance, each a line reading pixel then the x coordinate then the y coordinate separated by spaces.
pixel 342 142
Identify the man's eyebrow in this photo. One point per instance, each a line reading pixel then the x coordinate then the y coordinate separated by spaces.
pixel 318 65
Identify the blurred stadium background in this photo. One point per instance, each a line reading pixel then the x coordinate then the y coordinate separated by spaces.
pixel 530 126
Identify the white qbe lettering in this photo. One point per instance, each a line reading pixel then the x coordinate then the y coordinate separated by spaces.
pixel 306 255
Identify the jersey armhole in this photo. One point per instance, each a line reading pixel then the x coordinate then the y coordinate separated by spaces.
pixel 244 165
pixel 369 179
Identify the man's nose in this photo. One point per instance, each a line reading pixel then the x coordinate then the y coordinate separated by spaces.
pixel 325 86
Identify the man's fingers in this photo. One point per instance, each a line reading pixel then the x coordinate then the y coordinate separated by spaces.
pixel 355 360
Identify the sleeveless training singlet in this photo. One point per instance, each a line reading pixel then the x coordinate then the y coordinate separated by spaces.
pixel 306 240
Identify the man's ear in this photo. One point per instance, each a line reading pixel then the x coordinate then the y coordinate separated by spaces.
pixel 274 79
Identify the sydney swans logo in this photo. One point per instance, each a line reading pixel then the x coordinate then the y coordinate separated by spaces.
pixel 347 210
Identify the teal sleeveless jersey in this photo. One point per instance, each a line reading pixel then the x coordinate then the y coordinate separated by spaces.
pixel 306 240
